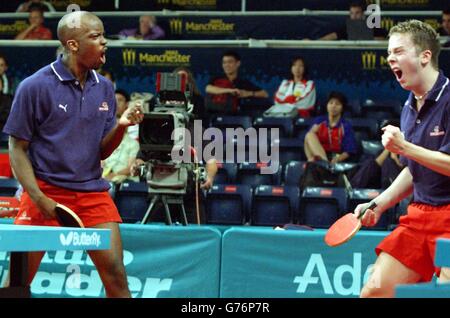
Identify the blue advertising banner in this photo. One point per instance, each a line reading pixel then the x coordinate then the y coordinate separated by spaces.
pixel 359 73
pixel 262 262
pixel 161 262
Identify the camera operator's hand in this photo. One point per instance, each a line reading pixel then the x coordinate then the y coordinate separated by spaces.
pixel 136 167
pixel 207 184
pixel 132 115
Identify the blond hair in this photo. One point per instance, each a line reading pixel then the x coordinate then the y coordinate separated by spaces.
pixel 423 36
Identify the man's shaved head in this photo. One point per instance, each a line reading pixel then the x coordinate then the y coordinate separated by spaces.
pixel 83 37
pixel 74 24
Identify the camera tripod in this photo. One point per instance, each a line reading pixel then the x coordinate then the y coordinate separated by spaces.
pixel 167 183
pixel 166 199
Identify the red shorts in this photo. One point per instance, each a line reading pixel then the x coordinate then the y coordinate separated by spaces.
pixel 413 242
pixel 93 208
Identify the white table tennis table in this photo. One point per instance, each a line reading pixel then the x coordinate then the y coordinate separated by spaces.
pixel 20 239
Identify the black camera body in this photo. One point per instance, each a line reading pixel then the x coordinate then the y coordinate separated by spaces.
pixel 162 129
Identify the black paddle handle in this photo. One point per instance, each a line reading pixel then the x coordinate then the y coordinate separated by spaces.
pixel 371 206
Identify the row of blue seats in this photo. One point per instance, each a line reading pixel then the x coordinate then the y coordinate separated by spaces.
pixel 262 205
pixel 375 109
pixel 289 149
pixel 289 174
pixel 364 127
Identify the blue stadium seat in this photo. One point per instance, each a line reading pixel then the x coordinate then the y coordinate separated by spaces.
pixel 250 174
pixel 4 140
pixel 228 204
pixel 321 207
pixel 400 210
pixel 364 128
pixel 289 149
pixel 285 125
pixel 248 151
pixel 354 108
pixel 8 187
pixel 223 122
pixel 358 196
pixel 215 106
pixel 381 108
pixel 274 205
pixel 132 201
pixel 371 148
pixel 293 172
pixel 301 127
pixel 254 107
pixel 226 173
pixel 112 189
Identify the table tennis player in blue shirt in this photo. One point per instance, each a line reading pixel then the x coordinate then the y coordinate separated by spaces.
pixel 406 256
pixel 62 124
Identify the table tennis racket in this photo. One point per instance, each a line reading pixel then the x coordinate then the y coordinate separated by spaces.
pixel 66 217
pixel 346 227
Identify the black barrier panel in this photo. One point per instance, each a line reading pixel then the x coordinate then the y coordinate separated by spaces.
pixel 179 5
pixel 289 5
pixel 359 73
pixel 229 5
pixel 411 4
pixel 61 5
pixel 222 27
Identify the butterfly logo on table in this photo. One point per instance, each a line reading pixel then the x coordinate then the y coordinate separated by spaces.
pixel 66 240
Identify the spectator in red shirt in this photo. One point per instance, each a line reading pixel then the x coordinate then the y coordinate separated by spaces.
pixel 36 30
pixel 331 137
pixel 231 85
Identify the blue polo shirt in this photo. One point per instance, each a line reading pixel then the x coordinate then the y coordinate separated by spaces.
pixel 64 125
pixel 429 128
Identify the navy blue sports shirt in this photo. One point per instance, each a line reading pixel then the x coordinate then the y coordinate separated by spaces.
pixel 64 125
pixel 429 128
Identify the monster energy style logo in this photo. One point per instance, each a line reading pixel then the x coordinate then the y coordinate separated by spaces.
pixel 129 57
pixel 369 60
pixel 176 26
pixel 387 23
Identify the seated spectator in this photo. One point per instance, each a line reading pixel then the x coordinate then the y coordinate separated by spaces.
pixel 36 30
pixel 197 98
pixel 298 91
pixel 376 173
pixel 116 167
pixel 148 30
pixel 331 137
pixel 444 30
pixel 26 6
pixel 221 88
pixel 123 100
pixel 356 13
pixel 6 81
